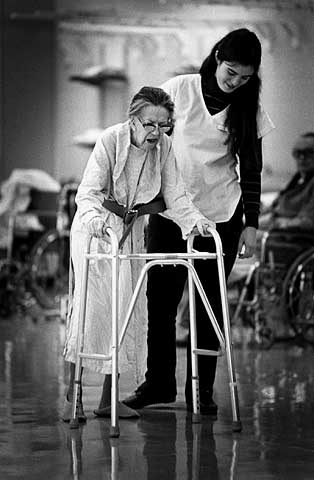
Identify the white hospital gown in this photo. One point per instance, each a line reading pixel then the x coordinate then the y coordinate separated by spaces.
pixel 119 171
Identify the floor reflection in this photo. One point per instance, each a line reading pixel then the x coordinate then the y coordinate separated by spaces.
pixel 74 443
pixel 276 391
pixel 161 445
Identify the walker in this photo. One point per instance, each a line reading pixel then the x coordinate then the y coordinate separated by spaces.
pixel 186 259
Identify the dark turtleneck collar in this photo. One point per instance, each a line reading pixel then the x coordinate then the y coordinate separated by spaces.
pixel 215 99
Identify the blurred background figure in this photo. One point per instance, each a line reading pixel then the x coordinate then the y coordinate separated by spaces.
pixel 293 208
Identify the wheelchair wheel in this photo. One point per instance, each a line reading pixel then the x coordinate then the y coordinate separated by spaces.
pixel 298 291
pixel 49 265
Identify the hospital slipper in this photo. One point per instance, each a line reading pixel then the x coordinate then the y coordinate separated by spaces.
pixel 123 411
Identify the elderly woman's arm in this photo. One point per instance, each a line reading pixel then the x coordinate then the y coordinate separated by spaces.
pixel 90 195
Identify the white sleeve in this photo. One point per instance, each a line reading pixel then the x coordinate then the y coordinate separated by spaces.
pixel 96 179
pixel 170 87
pixel 180 207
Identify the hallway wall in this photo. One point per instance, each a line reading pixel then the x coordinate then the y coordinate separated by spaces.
pixel 43 111
pixel 27 81
pixel 162 38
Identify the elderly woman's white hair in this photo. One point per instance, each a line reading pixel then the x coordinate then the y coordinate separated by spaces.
pixel 150 96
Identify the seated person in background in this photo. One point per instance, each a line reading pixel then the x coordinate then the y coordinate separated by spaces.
pixel 294 206
pixel 291 214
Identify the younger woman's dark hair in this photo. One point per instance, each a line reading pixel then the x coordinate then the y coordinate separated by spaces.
pixel 241 46
pixel 151 96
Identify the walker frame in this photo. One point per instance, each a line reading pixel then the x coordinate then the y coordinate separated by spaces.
pixel 152 259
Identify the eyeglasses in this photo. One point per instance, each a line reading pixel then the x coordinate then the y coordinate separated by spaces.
pixel 306 153
pixel 151 126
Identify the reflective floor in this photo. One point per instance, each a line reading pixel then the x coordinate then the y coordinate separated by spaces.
pixel 276 390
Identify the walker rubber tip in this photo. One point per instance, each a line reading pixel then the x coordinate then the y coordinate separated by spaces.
pixel 196 418
pixel 74 423
pixel 114 432
pixel 237 426
pixel 114 442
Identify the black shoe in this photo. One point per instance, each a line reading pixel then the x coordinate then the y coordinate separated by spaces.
pixel 207 404
pixel 205 408
pixel 144 396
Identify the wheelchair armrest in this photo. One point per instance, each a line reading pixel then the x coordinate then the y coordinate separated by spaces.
pixel 292 235
pixel 284 239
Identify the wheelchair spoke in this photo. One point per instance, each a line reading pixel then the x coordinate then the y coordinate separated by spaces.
pixel 299 286
pixel 283 298
pixel 49 269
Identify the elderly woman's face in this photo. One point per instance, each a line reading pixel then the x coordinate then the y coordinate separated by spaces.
pixel 149 125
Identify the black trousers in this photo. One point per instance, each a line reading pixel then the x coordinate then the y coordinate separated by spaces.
pixel 165 286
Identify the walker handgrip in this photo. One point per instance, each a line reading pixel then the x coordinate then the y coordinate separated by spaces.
pixel 113 238
pixel 210 231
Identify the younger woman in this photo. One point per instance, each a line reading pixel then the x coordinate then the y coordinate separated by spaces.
pixel 217 140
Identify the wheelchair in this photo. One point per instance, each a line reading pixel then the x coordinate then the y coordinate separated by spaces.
pixel 276 293
pixel 35 267
pixel 50 256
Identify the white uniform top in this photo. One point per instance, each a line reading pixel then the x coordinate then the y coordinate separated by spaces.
pixel 208 169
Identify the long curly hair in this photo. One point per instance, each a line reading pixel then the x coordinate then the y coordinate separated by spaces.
pixel 241 46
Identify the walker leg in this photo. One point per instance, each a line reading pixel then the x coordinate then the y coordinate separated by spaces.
pixel 114 429
pixel 114 458
pixel 226 341
pixel 196 417
pixel 74 423
pixel 236 424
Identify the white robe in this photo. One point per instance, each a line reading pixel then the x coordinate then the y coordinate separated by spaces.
pixel 105 177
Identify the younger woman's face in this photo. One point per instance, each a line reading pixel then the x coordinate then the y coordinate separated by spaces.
pixel 232 75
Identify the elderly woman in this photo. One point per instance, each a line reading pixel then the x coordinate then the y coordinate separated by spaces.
pixel 132 163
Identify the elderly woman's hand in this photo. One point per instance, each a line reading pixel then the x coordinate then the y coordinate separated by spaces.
pixel 97 228
pixel 202 227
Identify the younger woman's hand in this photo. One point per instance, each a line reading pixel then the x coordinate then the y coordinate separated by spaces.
pixel 202 227
pixel 247 242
